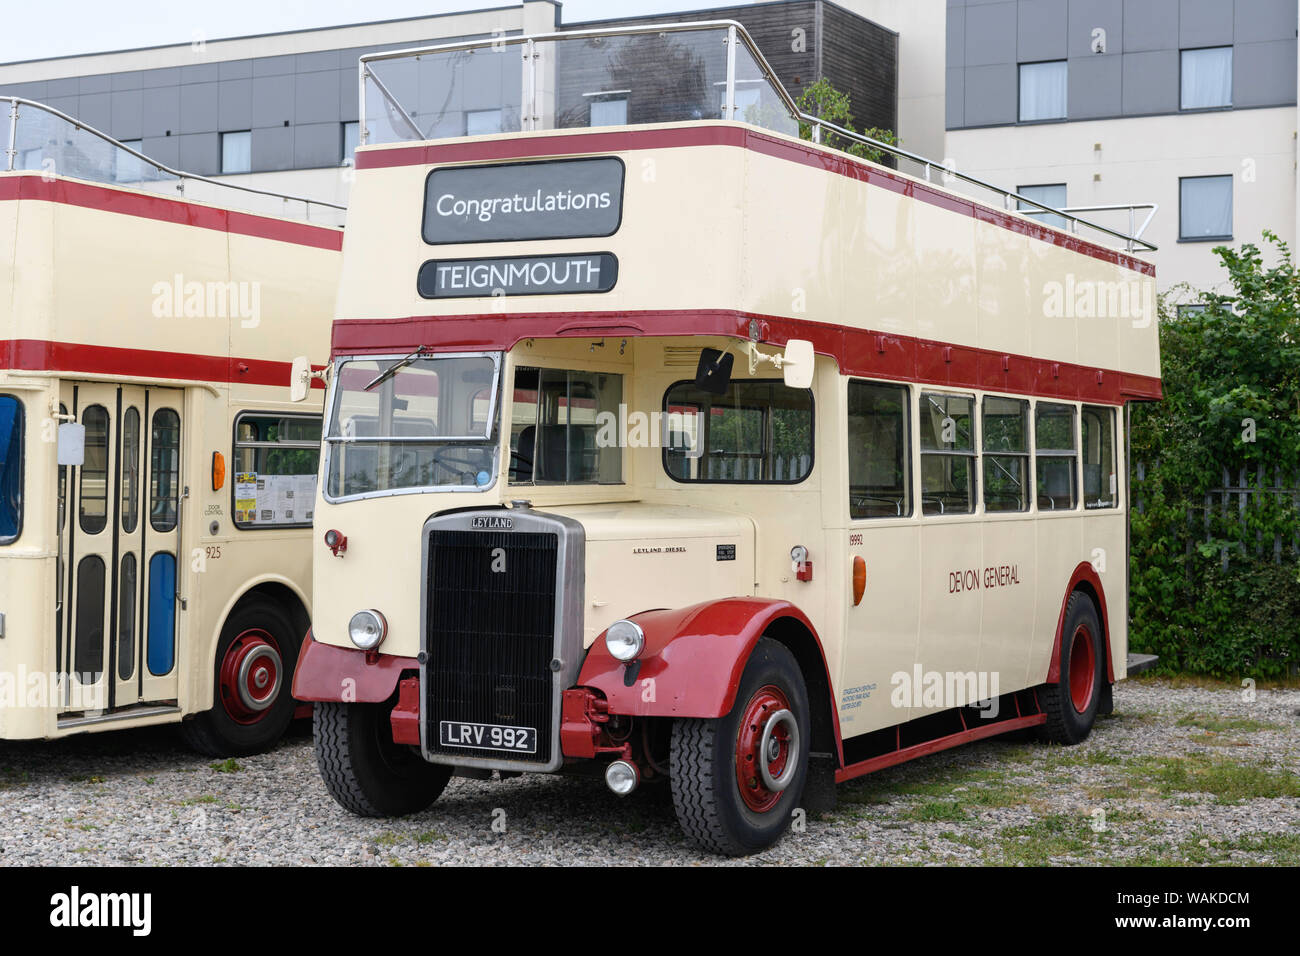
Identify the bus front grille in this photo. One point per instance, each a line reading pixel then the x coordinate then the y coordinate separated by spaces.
pixel 490 638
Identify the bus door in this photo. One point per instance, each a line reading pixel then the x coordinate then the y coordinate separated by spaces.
pixel 119 539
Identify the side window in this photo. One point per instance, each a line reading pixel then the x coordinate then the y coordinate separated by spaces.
pixel 93 496
pixel 11 468
pixel 275 463
pixel 130 470
pixel 561 428
pixel 947 427
pixel 1055 454
pixel 758 432
pixel 880 480
pixel 1100 480
pixel 1006 454
pixel 164 470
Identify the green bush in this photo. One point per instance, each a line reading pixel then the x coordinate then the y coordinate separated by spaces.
pixel 823 100
pixel 1231 376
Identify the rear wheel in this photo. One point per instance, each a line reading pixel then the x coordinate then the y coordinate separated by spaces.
pixel 364 770
pixel 252 703
pixel 737 779
pixel 1071 704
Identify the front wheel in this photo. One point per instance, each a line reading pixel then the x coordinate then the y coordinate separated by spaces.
pixel 364 770
pixel 737 779
pixel 1072 703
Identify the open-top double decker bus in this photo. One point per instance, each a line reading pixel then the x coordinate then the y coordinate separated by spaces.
pixel 664 444
pixel 156 484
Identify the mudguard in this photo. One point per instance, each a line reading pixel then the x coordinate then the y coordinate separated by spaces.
pixel 329 673
pixel 1084 573
pixel 693 659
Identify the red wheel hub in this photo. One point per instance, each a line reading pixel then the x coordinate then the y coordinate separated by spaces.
pixel 1083 669
pixel 251 675
pixel 766 748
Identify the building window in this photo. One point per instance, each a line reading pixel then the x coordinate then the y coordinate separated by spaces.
pixel 1042 91
pixel 609 109
pixel 1207 78
pixel 1051 194
pixel 482 122
pixel 237 152
pixel 947 427
pixel 880 480
pixel 1193 308
pixel 351 140
pixel 1205 208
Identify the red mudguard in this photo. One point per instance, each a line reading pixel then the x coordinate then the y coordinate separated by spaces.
pixel 693 658
pixel 326 672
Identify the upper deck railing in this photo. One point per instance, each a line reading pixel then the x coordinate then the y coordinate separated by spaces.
pixel 656 73
pixel 39 138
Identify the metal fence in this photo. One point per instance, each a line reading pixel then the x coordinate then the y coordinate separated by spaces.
pixel 1232 504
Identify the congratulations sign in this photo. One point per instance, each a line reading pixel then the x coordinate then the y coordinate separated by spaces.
pixel 517 275
pixel 559 199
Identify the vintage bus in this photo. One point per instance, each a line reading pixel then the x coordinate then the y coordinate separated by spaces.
pixel 156 483
pixel 667 444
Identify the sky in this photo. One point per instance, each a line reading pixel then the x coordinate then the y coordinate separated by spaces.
pixel 32 31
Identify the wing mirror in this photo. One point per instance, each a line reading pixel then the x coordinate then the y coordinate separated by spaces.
pixel 300 379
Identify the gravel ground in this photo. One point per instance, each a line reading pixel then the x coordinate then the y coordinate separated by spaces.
pixel 1179 774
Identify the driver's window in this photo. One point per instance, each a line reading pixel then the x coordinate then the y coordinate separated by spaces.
pixel 560 430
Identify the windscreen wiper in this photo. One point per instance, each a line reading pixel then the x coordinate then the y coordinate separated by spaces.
pixel 396 367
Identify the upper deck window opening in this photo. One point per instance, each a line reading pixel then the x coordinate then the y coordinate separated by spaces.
pixel 947 426
pixel 609 109
pixel 11 468
pixel 483 122
pixel 351 137
pixel 1049 194
pixel 759 432
pixel 236 152
pixel 425 424
pixel 1043 90
pixel 560 428
pixel 1206 78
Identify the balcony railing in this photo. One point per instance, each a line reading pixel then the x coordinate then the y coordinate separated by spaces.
pixel 38 138
pixel 655 73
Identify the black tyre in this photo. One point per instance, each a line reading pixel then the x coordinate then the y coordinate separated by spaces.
pixel 364 770
pixel 1072 703
pixel 728 798
pixel 252 674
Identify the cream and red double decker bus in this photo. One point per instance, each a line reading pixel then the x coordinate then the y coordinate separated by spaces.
pixel 664 444
pixel 156 483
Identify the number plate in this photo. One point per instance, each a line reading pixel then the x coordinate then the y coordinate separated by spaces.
pixel 517 740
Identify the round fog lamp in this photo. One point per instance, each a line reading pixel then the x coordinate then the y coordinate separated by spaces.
pixel 625 640
pixel 622 777
pixel 367 629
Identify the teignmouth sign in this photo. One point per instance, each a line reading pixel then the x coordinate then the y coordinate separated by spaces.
pixel 517 275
